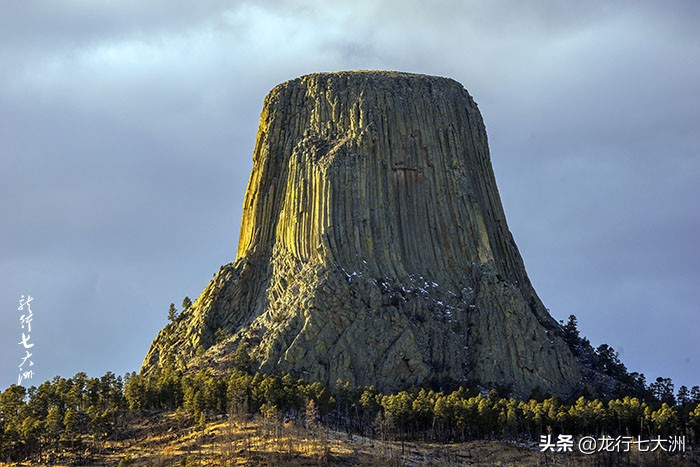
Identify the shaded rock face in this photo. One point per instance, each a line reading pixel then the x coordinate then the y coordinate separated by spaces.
pixel 374 249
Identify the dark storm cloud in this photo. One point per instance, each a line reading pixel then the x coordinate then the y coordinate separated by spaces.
pixel 126 131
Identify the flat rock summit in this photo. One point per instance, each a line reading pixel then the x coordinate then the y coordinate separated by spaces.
pixel 373 249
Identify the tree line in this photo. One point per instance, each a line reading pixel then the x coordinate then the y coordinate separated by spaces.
pixel 61 414
pixel 465 413
pixel 82 412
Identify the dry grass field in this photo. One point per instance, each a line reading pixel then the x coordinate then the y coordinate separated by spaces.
pixel 173 440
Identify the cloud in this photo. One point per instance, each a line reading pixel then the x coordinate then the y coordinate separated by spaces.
pixel 126 133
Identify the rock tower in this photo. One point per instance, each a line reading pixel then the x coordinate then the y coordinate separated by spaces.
pixel 374 249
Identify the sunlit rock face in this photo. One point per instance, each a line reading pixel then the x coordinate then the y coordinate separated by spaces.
pixel 374 249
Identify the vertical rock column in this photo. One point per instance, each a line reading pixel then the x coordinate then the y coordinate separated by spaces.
pixel 374 248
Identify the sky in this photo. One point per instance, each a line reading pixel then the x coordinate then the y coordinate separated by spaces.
pixel 127 130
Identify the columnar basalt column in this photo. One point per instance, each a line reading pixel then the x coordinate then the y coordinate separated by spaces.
pixel 374 249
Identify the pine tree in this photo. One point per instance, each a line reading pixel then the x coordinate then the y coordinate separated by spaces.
pixel 172 313
pixel 683 396
pixel 695 394
pixel 571 333
pixel 662 389
pixel 609 362
pixel 186 303
pixel 54 424
pixel 71 424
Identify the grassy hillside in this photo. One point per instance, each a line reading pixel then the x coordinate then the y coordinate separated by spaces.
pixel 238 418
pixel 176 439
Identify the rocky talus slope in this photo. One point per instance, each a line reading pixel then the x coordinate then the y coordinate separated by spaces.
pixel 374 249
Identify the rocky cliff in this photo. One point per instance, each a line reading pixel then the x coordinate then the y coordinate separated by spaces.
pixel 374 249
